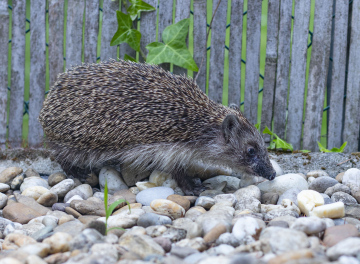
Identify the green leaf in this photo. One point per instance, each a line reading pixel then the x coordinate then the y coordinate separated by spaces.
pixel 323 149
pixel 278 143
pixel 174 49
pixel 257 126
pixel 267 131
pixel 305 151
pixel 125 32
pixel 112 207
pixel 129 58
pixel 137 6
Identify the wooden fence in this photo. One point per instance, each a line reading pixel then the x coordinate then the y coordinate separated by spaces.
pixel 334 68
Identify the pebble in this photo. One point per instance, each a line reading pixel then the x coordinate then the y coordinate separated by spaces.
pixel 17 181
pixel 141 245
pixel 348 247
pixel 145 197
pixel 309 225
pixel 33 182
pixel 214 233
pixel 34 191
pixel 56 178
pixel 88 207
pixel 4 187
pixel 337 188
pixel 250 203
pixel 352 177
pixel 322 183
pixel 83 190
pixel 180 200
pixel 247 192
pixel 352 210
pixel 211 219
pixel 282 183
pixel 197 243
pixel 113 178
pixel 18 212
pixel 228 239
pixel 205 202
pixel 247 226
pixel 232 183
pixel 7 175
pixel 59 242
pixel 269 198
pixel 72 227
pixel 92 179
pixel 63 187
pixel 335 234
pixel 193 229
pixel 30 172
pixel 228 199
pixel 343 197
pixel 194 212
pixel 3 200
pixel 316 173
pixel 290 194
pixel 141 186
pixel 168 207
pixel 174 234
pixel 279 171
pixel 151 219
pixel 340 176
pixel 164 242
pixel 48 199
pixel 159 177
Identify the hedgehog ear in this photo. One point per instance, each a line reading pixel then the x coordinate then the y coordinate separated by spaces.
pixel 234 107
pixel 228 125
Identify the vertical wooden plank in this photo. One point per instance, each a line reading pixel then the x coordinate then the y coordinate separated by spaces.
pixel 352 105
pixel 109 26
pixel 282 71
pixel 148 27
pixel 270 65
pixel 74 27
pixel 37 70
pixel 298 72
pixel 124 47
pixel 4 42
pixel 217 51
pixel 338 74
pixel 56 39
pixel 165 19
pixel 200 28
pixel 91 30
pixel 236 27
pixel 17 73
pixel 252 60
pixel 182 11
pixel 317 73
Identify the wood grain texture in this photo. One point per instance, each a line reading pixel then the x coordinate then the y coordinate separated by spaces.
pixel 200 29
pixel 109 26
pixel 56 39
pixel 298 72
pixel 74 27
pixel 318 71
pixel 352 104
pixel 270 66
pixel 17 73
pixel 338 74
pixel 91 30
pixel 165 19
pixel 236 28
pixel 37 70
pixel 217 51
pixel 252 60
pixel 282 71
pixel 124 47
pixel 148 27
pixel 4 42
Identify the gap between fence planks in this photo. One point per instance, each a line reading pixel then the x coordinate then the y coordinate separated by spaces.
pixel 37 70
pixel 4 42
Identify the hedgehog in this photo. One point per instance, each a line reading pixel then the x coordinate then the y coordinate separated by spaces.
pixel 122 112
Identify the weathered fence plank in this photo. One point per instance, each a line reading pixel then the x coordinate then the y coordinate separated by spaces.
pixel 148 27
pixel 252 60
pixel 270 66
pixel 282 71
pixel 200 30
pixel 236 28
pixel 4 42
pixel 352 104
pixel 124 47
pixel 17 73
pixel 165 19
pixel 91 30
pixel 56 39
pixel 37 70
pixel 318 71
pixel 298 72
pixel 338 74
pixel 217 51
pixel 182 11
pixel 109 26
pixel 74 27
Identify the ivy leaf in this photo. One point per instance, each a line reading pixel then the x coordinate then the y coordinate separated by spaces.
pixel 174 49
pixel 125 32
pixel 129 58
pixel 278 142
pixel 137 6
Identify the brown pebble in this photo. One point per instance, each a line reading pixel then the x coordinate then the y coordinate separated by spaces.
pixel 126 208
pixel 72 212
pixel 92 179
pixel 127 194
pixel 335 234
pixel 57 258
pixel 164 242
pixel 180 200
pixel 292 255
pixel 214 233
pixel 340 176
pixel 192 199
pixel 66 218
pixel 20 213
pixel 85 219
pixel 55 178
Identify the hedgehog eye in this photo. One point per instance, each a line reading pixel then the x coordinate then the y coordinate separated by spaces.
pixel 251 151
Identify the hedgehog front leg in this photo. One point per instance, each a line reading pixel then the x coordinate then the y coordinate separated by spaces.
pixel 190 186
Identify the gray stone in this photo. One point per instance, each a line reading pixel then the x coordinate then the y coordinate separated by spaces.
pixel 151 219
pixel 49 220
pixel 278 213
pixel 193 229
pixel 182 252
pixel 316 173
pixel 86 238
pixel 290 194
pixel 3 200
pixel 211 193
pixel 174 234
pixel 283 183
pixel 3 223
pixel 34 181
pixel 32 228
pixel 113 178
pixel 141 245
pixel 337 188
pixel 63 187
pixel 247 226
pixel 282 224
pixel 205 202
pixel 60 206
pixel 221 250
pixel 279 171
pixel 196 258
pixel 322 183
pixel 249 203
pixel 232 183
pixel 352 210
pixel 227 198
pixel 352 177
pixel 30 172
pixel 309 225
pixel 343 197
pixel 43 233
pixel 269 198
pixel 17 181
pixel 73 228
pixel 212 218
pixel 4 187
pixel 346 247
pixel 56 178
pixel 228 239
pixel 145 197
pixel 155 231
pixel 249 191
pixel 83 190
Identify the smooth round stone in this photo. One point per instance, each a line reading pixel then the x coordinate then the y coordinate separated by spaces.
pixel 4 187
pixel 145 197
pixel 159 177
pixel 249 191
pixel 316 173
pixel 17 181
pixel 88 207
pixel 60 206
pixel 247 226
pixel 50 221
pixel 59 242
pixel 194 212
pixel 73 228
pixel 343 197
pixel 340 176
pixel 83 190
pixel 337 188
pixel 73 198
pixel 205 202
pixel 141 245
pixel 18 212
pixel 283 183
pixel 32 228
pixel 30 172
pixel 250 203
pixel 171 183
pixel 228 199
pixel 63 187
pixel 279 171
pixel 193 229
pixel 164 242
pixel 322 183
pixel 168 207
pixel 180 200
pixel 232 183
pixel 7 175
pixel 48 199
pixel 34 191
pixel 352 177
pixel 221 250
pixel 309 225
pixel 155 231
pixel 269 198
pixel 197 243
pixel 212 218
pixel 335 234
pixel 92 179
pixel 290 194
pixel 34 181
pixel 3 200
pixel 127 195
pixel 113 178
pixel 282 224
pixel 56 178
pixel 228 239
pixel 145 185
pixel 348 247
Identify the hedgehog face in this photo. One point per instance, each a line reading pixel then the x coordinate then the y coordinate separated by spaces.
pixel 245 148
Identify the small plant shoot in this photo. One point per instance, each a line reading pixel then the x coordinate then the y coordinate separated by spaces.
pixel 277 143
pixel 323 149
